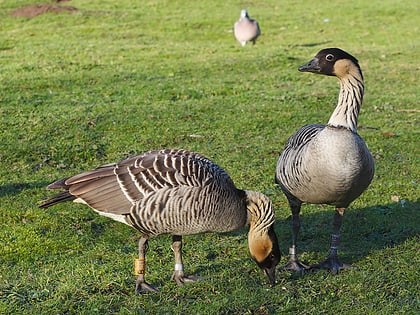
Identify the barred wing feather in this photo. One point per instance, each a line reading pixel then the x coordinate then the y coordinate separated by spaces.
pixel 115 188
pixel 304 135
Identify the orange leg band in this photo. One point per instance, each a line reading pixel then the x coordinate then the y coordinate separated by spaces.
pixel 139 266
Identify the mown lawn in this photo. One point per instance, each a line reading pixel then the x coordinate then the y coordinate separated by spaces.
pixel 118 78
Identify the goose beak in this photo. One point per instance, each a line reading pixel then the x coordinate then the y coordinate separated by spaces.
pixel 271 274
pixel 311 66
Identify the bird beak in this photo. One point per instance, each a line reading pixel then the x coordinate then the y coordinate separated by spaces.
pixel 311 66
pixel 271 274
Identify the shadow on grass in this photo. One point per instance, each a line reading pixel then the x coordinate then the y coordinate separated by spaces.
pixel 363 230
pixel 314 44
pixel 12 189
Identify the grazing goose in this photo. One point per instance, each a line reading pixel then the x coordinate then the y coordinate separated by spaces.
pixel 174 192
pixel 327 164
pixel 246 29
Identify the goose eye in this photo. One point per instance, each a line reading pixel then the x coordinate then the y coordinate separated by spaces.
pixel 329 57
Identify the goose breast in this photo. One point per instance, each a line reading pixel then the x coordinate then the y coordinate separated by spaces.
pixel 335 167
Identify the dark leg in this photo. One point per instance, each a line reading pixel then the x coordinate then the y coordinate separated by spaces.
pixel 332 262
pixel 178 274
pixel 293 263
pixel 140 268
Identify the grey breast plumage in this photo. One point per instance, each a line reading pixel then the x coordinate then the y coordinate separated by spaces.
pixel 325 165
pixel 246 29
pixel 158 192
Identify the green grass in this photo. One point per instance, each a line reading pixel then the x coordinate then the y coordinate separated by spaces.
pixel 121 77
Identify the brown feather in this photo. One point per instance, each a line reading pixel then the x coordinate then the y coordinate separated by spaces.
pixel 91 175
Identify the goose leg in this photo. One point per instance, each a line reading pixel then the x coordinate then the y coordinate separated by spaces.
pixel 178 276
pixel 140 268
pixel 332 262
pixel 294 264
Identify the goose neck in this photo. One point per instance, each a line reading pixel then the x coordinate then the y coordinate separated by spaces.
pixel 349 101
pixel 260 213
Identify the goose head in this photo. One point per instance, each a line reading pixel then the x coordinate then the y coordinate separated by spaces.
pixel 266 253
pixel 332 62
pixel 262 240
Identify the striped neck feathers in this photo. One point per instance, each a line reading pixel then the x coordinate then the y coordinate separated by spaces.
pixel 350 97
pixel 260 212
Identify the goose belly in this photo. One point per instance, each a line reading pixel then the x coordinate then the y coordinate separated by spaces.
pixel 186 211
pixel 334 168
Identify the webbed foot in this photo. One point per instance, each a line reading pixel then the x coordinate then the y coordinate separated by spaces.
pixel 143 287
pixel 294 264
pixel 333 264
pixel 179 277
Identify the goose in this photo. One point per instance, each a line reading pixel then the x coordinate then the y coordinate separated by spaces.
pixel 327 164
pixel 246 29
pixel 177 192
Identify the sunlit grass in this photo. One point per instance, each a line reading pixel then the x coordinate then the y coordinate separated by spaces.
pixel 121 77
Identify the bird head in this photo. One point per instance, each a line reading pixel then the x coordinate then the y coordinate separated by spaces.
pixel 244 14
pixel 266 253
pixel 262 240
pixel 332 62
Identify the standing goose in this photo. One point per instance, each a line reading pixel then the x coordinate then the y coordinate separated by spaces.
pixel 246 29
pixel 327 164
pixel 174 192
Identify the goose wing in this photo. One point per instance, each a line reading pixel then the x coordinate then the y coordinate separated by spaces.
pixel 114 188
pixel 304 135
pixel 289 165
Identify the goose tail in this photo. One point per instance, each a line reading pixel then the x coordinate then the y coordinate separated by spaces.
pixel 62 196
pixel 58 198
